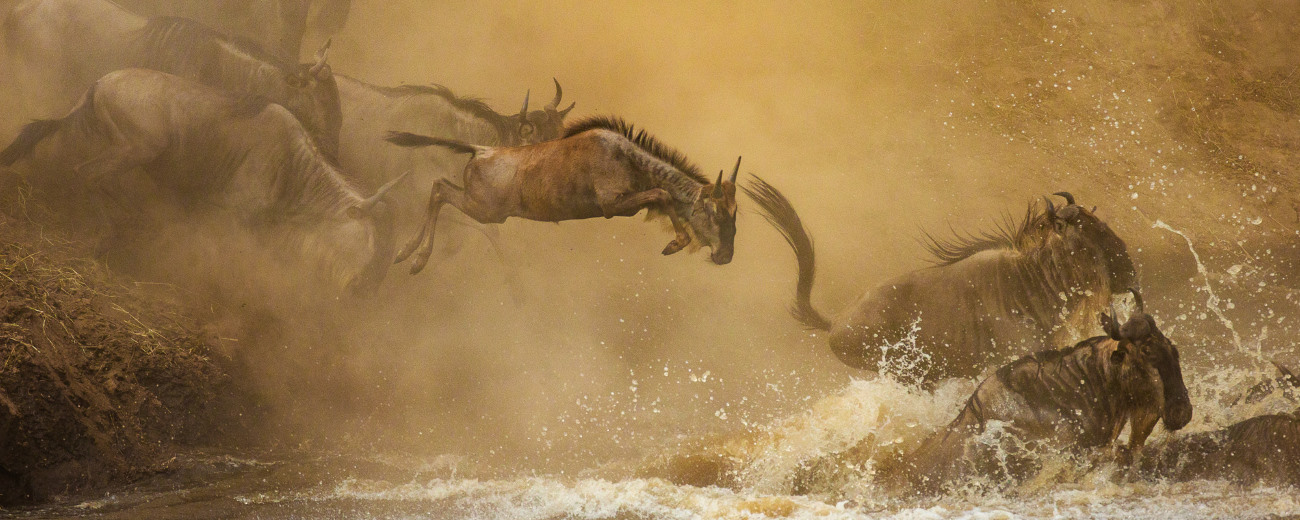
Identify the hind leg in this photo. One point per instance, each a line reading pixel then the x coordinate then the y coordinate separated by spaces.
pixel 103 176
pixel 444 192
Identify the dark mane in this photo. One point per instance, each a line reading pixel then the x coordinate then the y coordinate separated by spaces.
pixel 171 39
pixel 642 139
pixel 1010 233
pixel 472 105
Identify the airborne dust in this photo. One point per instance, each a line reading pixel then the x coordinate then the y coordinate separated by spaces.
pixel 587 352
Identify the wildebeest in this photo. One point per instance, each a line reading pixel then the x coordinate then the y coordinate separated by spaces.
pixel 370 111
pixel 275 25
pixel 988 297
pixel 62 46
pixel 213 150
pixel 1067 400
pixel 602 167
pixel 1263 449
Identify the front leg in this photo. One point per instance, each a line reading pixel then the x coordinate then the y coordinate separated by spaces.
pixel 682 239
pixel 629 204
pixel 1143 422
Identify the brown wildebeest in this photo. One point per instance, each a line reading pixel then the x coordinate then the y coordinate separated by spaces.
pixel 1067 400
pixel 370 111
pixel 276 25
pixel 987 298
pixel 602 167
pixel 213 150
pixel 58 48
pixel 1263 449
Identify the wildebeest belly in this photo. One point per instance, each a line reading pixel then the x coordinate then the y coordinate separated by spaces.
pixel 570 182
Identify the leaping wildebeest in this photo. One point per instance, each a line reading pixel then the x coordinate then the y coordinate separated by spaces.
pixel 602 167
pixel 1066 401
pixel 213 150
pixel 60 47
pixel 370 111
pixel 988 297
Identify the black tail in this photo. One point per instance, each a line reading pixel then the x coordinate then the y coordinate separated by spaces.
pixel 410 140
pixel 778 211
pixel 27 140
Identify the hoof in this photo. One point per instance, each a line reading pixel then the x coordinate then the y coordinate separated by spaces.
pixel 673 247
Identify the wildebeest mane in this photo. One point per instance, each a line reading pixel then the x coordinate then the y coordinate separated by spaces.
pixel 1010 233
pixel 642 139
pixel 183 42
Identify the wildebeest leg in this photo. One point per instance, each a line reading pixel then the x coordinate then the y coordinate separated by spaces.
pixel 103 175
pixel 1140 428
pixel 444 192
pixel 630 204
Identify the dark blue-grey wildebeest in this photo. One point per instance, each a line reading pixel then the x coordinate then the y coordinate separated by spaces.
pixel 987 298
pixel 210 150
pixel 57 48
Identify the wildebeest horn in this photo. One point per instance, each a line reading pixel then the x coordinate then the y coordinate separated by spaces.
pixel 559 92
pixel 735 171
pixel 1111 325
pixel 565 112
pixel 523 112
pixel 321 55
pixel 364 206
pixel 1069 199
pixel 717 186
pixel 1137 299
pixel 1051 209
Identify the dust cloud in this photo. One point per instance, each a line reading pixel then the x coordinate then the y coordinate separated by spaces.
pixel 878 120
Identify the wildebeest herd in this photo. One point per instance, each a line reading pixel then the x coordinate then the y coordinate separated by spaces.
pixel 295 150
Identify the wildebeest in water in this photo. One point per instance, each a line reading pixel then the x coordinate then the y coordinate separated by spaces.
pixel 213 150
pixel 60 47
pixel 602 167
pixel 988 298
pixel 1065 401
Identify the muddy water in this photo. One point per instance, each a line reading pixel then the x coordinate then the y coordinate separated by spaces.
pixel 788 467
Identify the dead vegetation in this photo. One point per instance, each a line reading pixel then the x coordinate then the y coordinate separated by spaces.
pixel 100 380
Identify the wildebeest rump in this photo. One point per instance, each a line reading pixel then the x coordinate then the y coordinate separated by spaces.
pixel 988 298
pixel 1067 400
pixel 61 47
pixel 369 112
pixel 275 25
pixel 214 150
pixel 602 167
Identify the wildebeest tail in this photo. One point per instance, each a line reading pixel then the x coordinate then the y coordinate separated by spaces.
pixel 31 135
pixel 410 140
pixel 781 214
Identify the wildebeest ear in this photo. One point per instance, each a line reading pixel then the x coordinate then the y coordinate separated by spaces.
pixel 1068 213
pixel 297 80
pixel 355 213
pixel 1117 357
pixel 1109 326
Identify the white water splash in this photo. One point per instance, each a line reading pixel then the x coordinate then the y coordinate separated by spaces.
pixel 1212 302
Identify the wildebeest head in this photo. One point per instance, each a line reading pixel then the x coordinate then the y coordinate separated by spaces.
pixel 713 217
pixel 1078 224
pixel 375 219
pixel 314 100
pixel 1152 361
pixel 540 125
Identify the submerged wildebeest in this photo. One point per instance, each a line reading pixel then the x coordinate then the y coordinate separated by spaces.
pixel 275 25
pixel 212 150
pixel 61 47
pixel 1065 401
pixel 602 167
pixel 988 297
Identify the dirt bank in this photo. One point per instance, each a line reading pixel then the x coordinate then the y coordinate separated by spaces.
pixel 101 379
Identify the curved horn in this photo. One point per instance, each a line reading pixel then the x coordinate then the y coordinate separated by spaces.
pixel 565 112
pixel 559 92
pixel 1069 199
pixel 1051 209
pixel 734 172
pixel 321 56
pixel 1137 299
pixel 523 112
pixel 364 206
pixel 717 186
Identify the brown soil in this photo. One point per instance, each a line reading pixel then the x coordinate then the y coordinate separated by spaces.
pixel 101 381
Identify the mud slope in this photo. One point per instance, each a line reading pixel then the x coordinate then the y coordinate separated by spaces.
pixel 100 382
